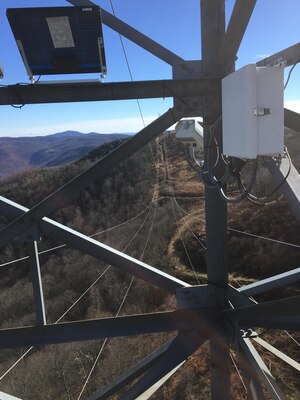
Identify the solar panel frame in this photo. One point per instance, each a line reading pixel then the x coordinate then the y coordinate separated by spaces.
pixel 59 40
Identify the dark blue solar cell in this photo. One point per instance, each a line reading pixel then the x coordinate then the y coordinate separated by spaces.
pixel 59 40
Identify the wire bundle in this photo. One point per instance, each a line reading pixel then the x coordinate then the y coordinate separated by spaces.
pixel 232 169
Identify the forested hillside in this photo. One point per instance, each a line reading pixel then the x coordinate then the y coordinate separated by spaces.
pixel 150 207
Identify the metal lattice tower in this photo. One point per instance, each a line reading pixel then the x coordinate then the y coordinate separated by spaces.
pixel 215 312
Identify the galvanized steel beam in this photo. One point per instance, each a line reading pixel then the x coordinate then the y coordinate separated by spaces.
pixel 286 307
pixel 132 34
pixel 212 37
pixel 98 250
pixel 97 329
pixel 240 299
pixel 261 369
pixel 250 377
pixel 59 92
pixel 237 26
pixel 161 362
pixel 292 120
pixel 277 353
pixel 133 373
pixel 274 282
pixel 290 56
pixel 288 180
pixel 140 39
pixel 237 299
pixel 284 322
pixel 157 385
pixel 114 257
pixel 185 346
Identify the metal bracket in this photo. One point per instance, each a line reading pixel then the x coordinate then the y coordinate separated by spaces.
pixel 31 234
pixel 279 62
pixel 261 111
pixel 192 106
pixel 192 297
pixel 249 333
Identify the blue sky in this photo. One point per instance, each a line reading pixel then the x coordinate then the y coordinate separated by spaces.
pixel 173 23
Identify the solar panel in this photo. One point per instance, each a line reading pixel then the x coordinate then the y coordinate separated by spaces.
pixel 59 40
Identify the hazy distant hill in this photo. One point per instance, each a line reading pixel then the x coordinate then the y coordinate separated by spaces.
pixel 21 153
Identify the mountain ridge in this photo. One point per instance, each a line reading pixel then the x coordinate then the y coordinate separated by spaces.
pixel 21 153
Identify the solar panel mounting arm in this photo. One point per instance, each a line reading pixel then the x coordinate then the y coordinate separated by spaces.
pixel 133 34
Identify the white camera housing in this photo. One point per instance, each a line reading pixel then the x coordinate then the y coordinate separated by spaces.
pixel 189 131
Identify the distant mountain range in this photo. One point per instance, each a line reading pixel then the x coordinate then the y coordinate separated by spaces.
pixel 21 153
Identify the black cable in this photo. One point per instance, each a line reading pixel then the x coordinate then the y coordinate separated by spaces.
pixel 19 107
pixel 289 75
pixel 259 200
pixel 217 183
pixel 38 79
pixel 9 91
pixel 210 179
pixel 206 173
pixel 10 99
pixel 243 190
pixel 210 148
pixel 188 158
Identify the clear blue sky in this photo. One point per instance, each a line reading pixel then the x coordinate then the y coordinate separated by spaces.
pixel 173 23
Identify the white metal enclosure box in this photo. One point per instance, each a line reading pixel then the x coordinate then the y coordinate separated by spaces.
pixel 253 115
